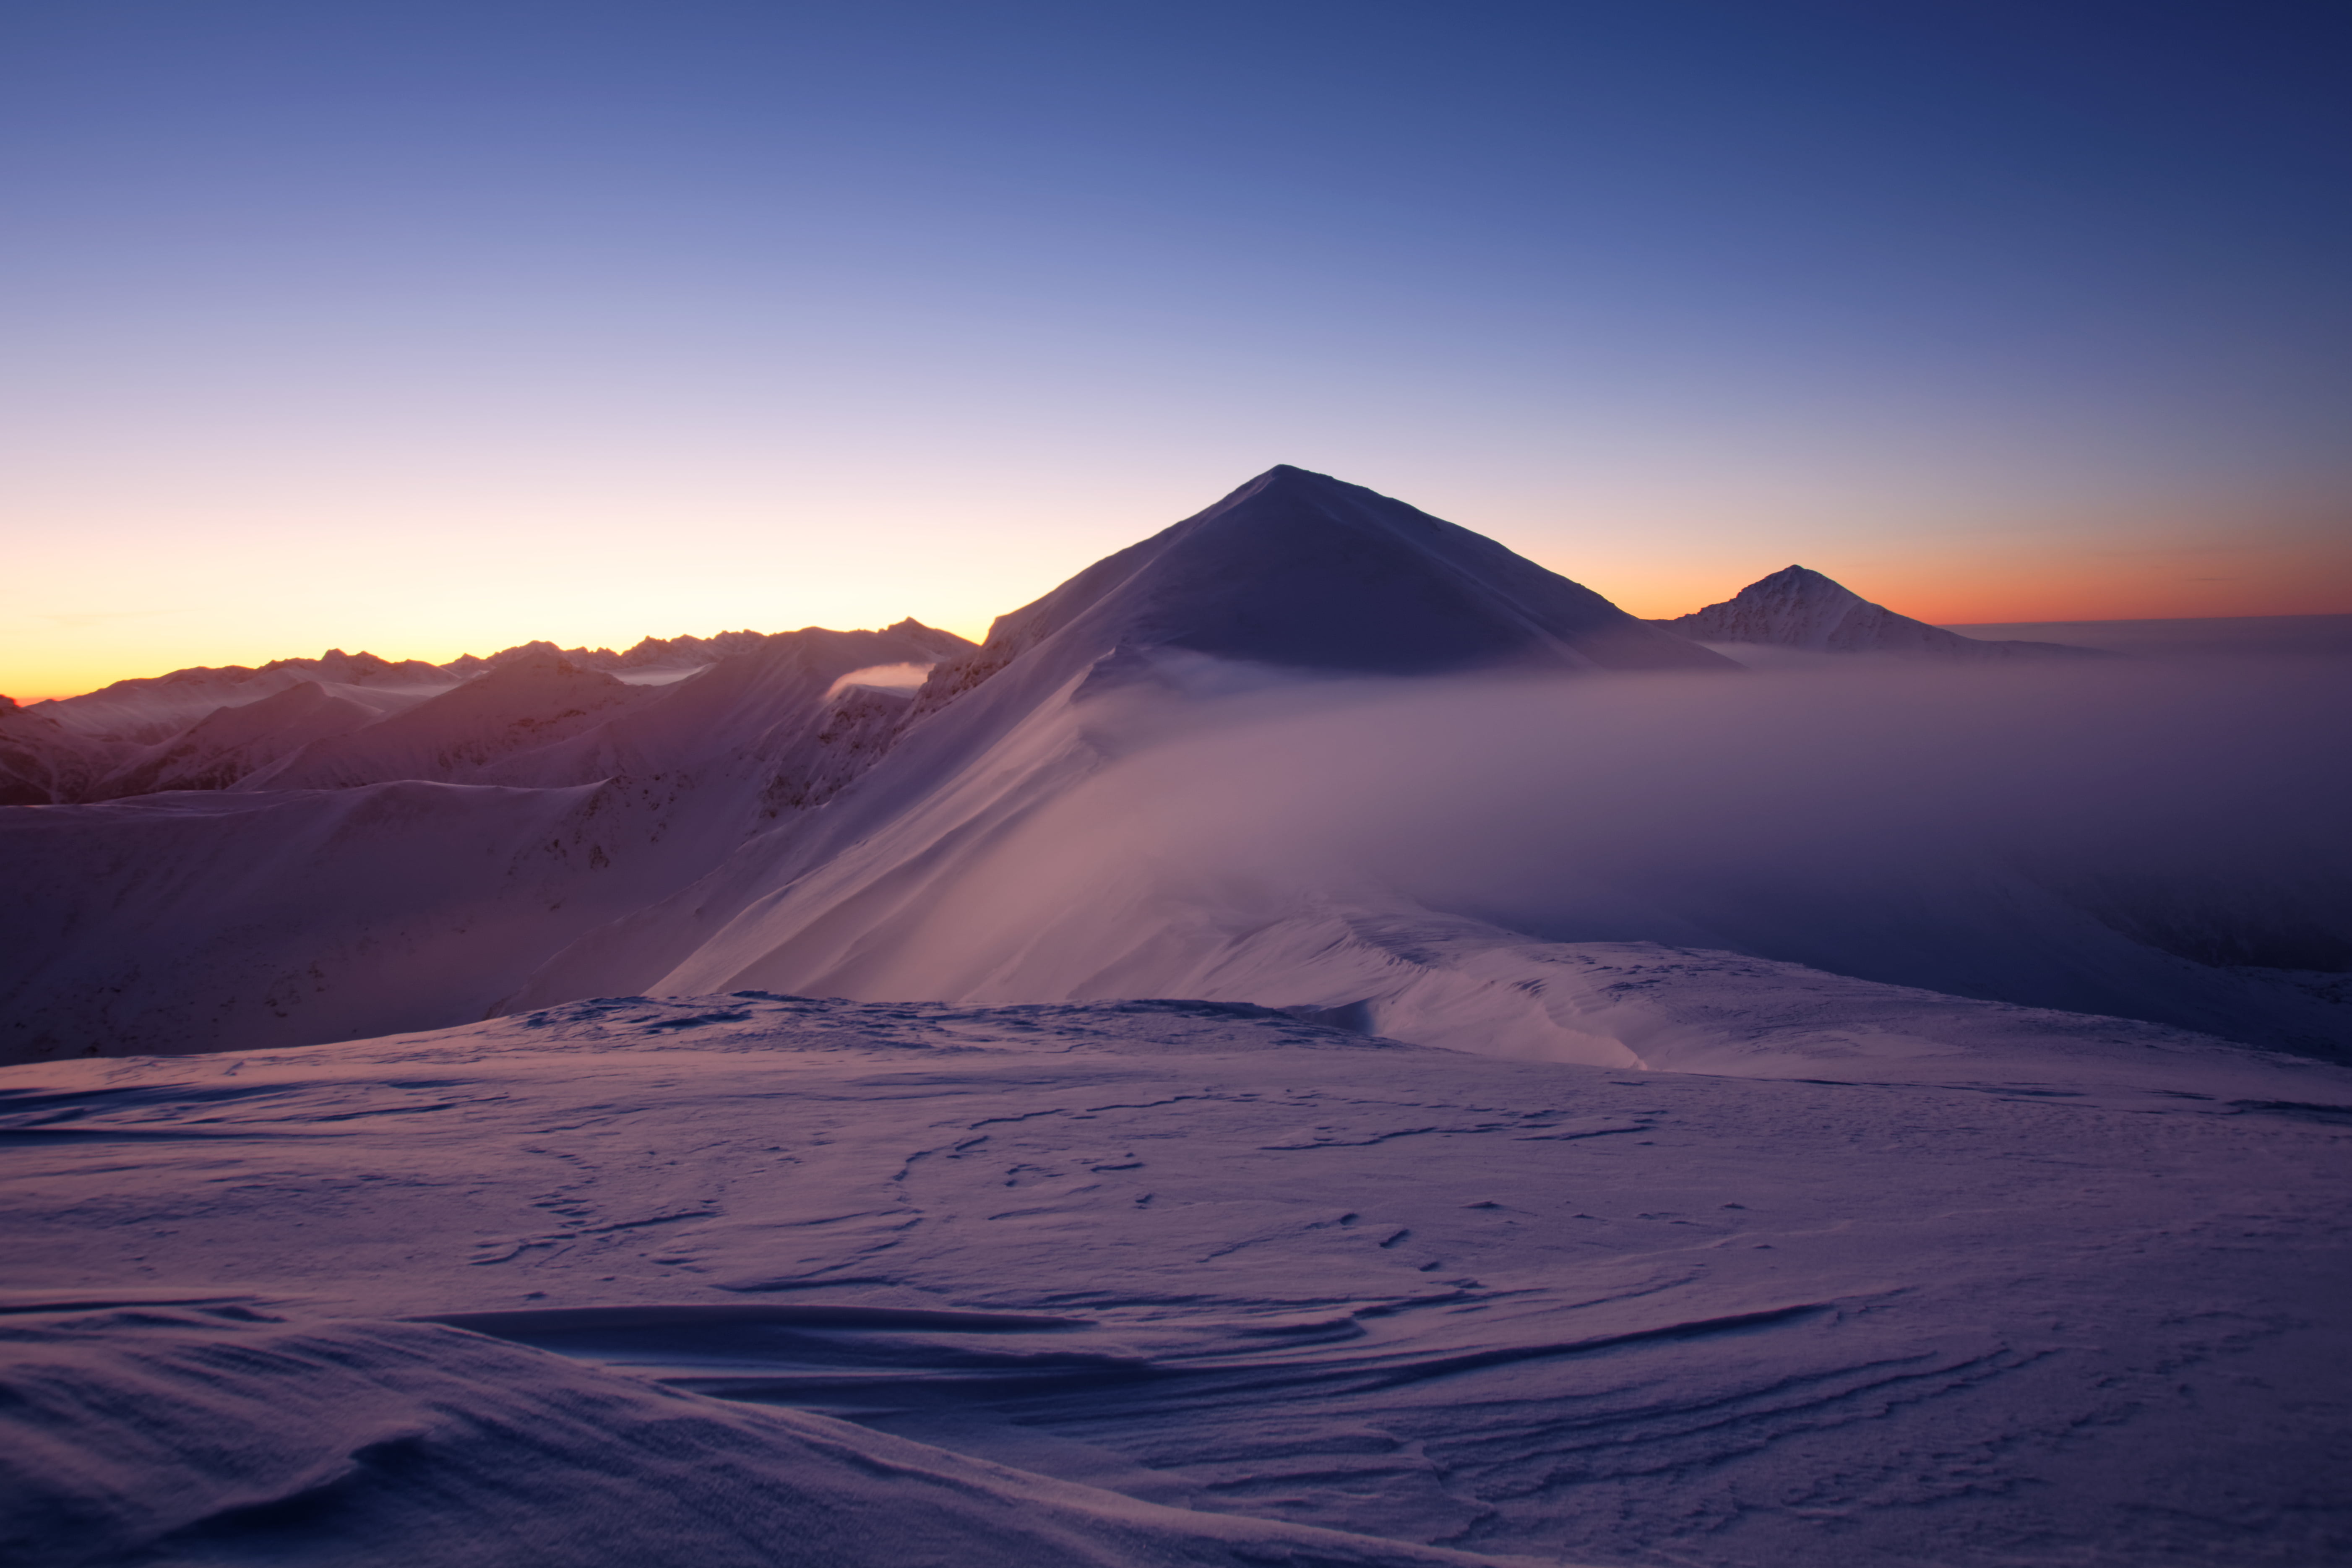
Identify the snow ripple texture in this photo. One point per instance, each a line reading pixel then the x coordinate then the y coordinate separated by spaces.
pixel 761 1280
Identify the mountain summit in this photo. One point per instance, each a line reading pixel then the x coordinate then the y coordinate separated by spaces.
pixel 1798 607
pixel 1303 569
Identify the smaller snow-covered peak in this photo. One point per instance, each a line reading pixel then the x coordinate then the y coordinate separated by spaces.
pixel 1804 580
pixel 1302 571
pixel 1798 607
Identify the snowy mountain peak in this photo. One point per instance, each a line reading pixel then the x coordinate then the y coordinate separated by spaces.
pixel 1302 570
pixel 1804 580
pixel 1798 607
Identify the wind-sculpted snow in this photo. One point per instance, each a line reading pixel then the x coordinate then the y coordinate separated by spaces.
pixel 758 1279
pixel 265 1438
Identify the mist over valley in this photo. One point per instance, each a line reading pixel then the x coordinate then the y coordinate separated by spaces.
pixel 1319 1039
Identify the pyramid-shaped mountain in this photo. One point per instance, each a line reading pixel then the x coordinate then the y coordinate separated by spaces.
pixel 1798 607
pixel 1303 569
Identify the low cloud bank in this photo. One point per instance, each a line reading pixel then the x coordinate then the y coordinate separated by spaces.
pixel 2117 837
pixel 886 676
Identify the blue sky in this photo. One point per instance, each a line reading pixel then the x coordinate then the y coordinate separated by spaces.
pixel 430 327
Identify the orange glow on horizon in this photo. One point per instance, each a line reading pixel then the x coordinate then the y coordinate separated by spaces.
pixel 1947 597
pixel 176 603
pixel 2098 579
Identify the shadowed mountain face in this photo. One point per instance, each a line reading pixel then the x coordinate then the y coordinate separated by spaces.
pixel 1800 608
pixel 1302 570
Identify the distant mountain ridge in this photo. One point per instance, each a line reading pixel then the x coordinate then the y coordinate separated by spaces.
pixel 280 850
pixel 100 711
pixel 1796 607
pixel 648 653
pixel 293 723
pixel 347 846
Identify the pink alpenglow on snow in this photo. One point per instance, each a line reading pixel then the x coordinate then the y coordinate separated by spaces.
pixel 1318 1041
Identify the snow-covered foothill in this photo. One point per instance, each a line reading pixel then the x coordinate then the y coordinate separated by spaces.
pixel 455 736
pixel 229 745
pixel 154 708
pixel 41 760
pixel 215 919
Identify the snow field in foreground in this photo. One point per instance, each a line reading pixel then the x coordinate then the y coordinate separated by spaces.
pixel 1207 1277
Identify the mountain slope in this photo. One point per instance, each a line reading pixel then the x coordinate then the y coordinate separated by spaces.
pixel 1310 747
pixel 1798 608
pixel 230 744
pixel 1292 573
pixel 218 728
pixel 154 708
pixel 450 738
pixel 201 921
pixel 1302 570
pixel 1090 808
pixel 41 760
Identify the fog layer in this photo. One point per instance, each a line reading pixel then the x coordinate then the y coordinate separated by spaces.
pixel 2125 837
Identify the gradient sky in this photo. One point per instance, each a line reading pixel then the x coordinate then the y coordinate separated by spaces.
pixel 430 327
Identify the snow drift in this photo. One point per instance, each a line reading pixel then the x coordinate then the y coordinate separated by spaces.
pixel 400 1443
